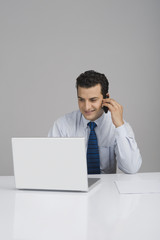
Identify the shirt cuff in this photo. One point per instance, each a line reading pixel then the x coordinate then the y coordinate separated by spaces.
pixel 121 131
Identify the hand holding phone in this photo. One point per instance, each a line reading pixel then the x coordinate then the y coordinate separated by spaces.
pixel 116 111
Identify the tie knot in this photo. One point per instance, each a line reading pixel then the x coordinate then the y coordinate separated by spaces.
pixel 92 125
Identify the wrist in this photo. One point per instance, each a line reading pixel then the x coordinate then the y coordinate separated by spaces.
pixel 119 124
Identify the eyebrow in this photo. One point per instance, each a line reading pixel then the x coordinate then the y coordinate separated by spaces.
pixel 93 98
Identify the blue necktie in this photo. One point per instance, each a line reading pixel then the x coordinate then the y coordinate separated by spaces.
pixel 93 161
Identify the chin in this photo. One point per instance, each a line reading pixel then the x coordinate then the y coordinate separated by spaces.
pixel 91 118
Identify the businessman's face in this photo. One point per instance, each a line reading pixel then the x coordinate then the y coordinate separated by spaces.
pixel 90 102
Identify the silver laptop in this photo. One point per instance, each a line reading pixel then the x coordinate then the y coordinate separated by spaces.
pixel 51 164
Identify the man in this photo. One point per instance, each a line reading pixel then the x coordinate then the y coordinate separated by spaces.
pixel 109 139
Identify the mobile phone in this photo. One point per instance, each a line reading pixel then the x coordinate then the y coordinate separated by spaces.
pixel 105 108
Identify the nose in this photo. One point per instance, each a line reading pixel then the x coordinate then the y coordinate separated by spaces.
pixel 87 106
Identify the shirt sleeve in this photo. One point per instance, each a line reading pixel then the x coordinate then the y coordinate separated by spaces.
pixel 127 153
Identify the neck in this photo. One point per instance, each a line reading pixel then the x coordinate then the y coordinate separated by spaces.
pixel 99 115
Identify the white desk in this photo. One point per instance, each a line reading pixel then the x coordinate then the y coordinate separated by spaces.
pixel 100 214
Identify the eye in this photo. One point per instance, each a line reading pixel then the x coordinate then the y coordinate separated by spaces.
pixel 81 100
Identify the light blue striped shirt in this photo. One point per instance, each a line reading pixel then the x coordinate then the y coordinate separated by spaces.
pixel 116 145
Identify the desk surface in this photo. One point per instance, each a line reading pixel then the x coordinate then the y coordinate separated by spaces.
pixel 100 214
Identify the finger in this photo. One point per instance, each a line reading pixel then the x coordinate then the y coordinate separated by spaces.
pixel 111 101
pixel 110 107
pixel 114 103
pixel 113 106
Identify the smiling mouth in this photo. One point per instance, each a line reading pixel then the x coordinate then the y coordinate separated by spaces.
pixel 89 112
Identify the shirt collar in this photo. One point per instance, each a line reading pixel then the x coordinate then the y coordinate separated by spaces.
pixel 98 121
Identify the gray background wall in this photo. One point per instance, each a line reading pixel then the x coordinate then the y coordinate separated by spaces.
pixel 45 45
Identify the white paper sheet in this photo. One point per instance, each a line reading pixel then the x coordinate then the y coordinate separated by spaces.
pixel 138 187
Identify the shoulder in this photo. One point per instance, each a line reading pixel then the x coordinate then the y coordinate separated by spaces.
pixel 69 118
pixel 73 116
pixel 66 125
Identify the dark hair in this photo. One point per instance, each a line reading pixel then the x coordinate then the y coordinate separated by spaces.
pixel 90 79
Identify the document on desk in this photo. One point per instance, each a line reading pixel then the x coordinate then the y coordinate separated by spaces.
pixel 138 187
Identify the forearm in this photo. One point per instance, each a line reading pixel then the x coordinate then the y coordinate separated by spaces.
pixel 127 153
